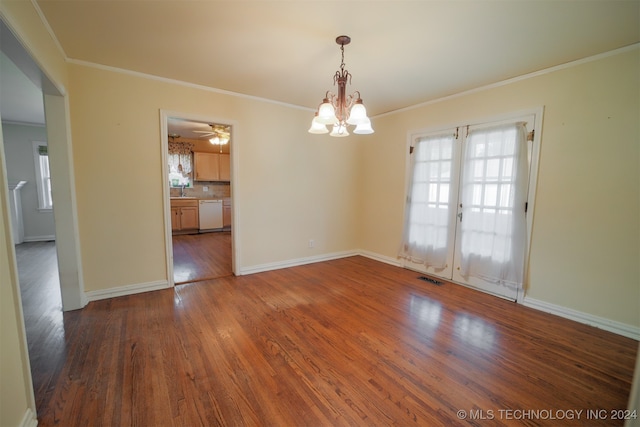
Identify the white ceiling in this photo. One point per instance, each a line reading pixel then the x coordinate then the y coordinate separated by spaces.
pixel 402 52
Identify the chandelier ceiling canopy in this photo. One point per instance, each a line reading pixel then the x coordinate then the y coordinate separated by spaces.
pixel 341 110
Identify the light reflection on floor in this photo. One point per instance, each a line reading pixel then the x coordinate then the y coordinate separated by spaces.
pixel 469 329
pixel 475 331
pixel 427 312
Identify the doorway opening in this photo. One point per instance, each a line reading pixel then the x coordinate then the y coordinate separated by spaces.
pixel 47 241
pixel 198 184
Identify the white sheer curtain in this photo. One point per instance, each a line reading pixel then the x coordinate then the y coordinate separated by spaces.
pixel 426 227
pixel 493 196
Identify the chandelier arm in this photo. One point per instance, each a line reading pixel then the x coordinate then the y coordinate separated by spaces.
pixel 348 102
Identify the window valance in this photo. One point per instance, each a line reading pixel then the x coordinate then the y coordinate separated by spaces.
pixel 181 147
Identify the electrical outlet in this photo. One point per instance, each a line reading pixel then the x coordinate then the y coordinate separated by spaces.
pixel 312 243
pixel 205 188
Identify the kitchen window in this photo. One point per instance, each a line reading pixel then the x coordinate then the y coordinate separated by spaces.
pixel 180 164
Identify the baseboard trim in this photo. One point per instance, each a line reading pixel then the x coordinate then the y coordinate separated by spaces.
pixel 295 262
pixel 382 258
pixel 126 290
pixel 45 238
pixel 619 328
pixel 29 419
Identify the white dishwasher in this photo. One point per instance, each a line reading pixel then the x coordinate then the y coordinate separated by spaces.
pixel 210 212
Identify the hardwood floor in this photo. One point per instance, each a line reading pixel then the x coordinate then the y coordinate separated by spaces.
pixel 203 256
pixel 43 317
pixel 344 342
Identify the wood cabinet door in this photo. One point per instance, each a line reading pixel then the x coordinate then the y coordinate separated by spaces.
pixel 206 166
pixel 175 219
pixel 225 167
pixel 189 218
pixel 226 216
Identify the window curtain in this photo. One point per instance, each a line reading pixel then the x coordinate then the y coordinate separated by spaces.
pixel 493 195
pixel 180 157
pixel 426 225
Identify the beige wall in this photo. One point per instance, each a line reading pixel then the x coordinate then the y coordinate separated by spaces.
pixel 290 186
pixel 585 242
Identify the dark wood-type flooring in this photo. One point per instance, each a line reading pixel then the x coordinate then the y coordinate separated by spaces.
pixel 344 342
pixel 203 256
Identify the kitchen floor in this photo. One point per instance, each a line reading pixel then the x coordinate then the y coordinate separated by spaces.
pixel 203 256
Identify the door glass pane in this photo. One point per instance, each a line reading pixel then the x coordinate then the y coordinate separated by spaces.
pixel 427 227
pixel 491 217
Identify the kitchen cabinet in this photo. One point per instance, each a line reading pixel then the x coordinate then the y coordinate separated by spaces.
pixel 226 213
pixel 184 215
pixel 211 166
pixel 225 167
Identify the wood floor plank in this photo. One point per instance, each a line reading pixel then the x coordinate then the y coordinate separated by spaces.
pixel 348 342
pixel 201 256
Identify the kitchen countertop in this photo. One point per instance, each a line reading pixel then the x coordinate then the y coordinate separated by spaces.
pixel 199 198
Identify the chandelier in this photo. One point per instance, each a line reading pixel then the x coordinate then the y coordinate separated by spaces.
pixel 341 110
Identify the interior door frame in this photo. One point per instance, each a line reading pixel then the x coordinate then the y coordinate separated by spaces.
pixel 538 113
pixel 166 199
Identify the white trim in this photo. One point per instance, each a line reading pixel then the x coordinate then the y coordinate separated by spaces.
pixel 400 110
pixel 613 326
pixel 52 34
pixel 166 192
pixel 29 419
pixel 68 247
pixel 382 258
pixel 531 195
pixel 43 238
pixel 515 79
pixel 127 290
pixel 18 123
pixel 296 262
pixel 619 328
pixel 183 83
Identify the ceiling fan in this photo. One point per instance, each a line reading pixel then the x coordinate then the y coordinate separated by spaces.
pixel 219 134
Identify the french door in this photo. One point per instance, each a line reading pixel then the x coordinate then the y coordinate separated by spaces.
pixel 465 218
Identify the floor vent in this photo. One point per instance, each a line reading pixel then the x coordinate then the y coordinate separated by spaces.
pixel 430 280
